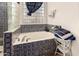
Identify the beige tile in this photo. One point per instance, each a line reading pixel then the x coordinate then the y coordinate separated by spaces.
pixel 1 50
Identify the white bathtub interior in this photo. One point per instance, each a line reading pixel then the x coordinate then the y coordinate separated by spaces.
pixel 33 36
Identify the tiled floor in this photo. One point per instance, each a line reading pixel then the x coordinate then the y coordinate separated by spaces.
pixel 1 47
pixel 1 50
pixel 75 48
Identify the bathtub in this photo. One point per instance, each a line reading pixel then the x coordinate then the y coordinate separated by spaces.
pixel 32 37
pixel 34 44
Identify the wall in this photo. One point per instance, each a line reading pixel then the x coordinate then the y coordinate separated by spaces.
pixel 9 10
pixel 14 15
pixel 36 18
pixel 3 18
pixel 67 15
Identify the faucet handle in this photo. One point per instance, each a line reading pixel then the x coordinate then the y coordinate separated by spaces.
pixel 27 39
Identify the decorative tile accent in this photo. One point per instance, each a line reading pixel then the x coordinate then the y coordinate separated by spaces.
pixel 7 44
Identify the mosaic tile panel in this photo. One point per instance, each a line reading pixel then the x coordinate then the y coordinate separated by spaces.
pixel 39 48
pixel 33 28
pixel 7 44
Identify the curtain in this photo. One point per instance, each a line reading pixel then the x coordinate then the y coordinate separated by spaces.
pixel 33 7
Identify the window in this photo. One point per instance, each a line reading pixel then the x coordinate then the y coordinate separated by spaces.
pixel 36 18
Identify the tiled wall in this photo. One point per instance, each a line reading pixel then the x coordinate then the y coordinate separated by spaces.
pixel 36 22
pixel 36 18
pixel 14 15
pixel 33 27
pixel 3 18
